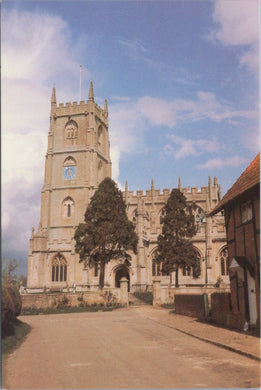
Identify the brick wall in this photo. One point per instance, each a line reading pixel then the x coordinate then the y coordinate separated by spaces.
pixel 190 305
pixel 222 311
pixel 221 306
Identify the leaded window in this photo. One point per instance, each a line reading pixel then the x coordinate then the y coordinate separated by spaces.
pixel 59 269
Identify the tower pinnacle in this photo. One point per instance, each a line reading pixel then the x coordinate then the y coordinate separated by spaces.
pixel 105 105
pixel 179 185
pixel 53 100
pixel 91 93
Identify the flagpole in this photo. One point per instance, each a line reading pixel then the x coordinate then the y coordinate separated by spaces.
pixel 80 82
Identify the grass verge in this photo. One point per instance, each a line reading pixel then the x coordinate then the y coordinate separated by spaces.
pixel 170 306
pixel 68 309
pixel 20 330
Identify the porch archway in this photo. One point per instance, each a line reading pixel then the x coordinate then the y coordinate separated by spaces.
pixel 122 272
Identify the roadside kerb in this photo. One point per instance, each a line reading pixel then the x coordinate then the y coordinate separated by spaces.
pixel 208 340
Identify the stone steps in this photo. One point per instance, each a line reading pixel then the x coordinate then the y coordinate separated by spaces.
pixel 134 301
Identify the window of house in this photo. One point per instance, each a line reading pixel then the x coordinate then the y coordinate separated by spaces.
pixel 59 269
pixel 246 212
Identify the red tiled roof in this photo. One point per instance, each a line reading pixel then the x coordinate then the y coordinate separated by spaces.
pixel 249 178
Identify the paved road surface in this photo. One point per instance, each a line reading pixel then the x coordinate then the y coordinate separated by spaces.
pixel 120 349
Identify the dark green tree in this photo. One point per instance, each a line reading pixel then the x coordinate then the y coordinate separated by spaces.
pixel 174 248
pixel 107 233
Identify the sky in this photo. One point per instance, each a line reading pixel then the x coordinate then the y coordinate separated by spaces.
pixel 181 79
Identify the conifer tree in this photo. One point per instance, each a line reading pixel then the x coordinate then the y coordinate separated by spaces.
pixel 107 233
pixel 174 248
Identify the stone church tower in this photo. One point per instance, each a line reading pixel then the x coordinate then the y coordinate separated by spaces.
pixel 77 160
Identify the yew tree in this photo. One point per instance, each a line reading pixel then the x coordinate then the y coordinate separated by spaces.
pixel 174 247
pixel 106 233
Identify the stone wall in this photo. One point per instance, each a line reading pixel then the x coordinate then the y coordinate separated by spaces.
pixel 164 293
pixel 48 300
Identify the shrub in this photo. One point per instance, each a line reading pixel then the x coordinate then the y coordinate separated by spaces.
pixel 80 298
pixel 11 307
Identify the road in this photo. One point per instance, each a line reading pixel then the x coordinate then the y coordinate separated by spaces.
pixel 120 349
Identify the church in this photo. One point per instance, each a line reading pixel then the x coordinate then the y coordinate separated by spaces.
pixel 77 160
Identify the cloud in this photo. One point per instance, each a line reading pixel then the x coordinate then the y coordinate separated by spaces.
pixel 203 107
pixel 190 147
pixel 36 49
pixel 218 163
pixel 134 49
pixel 138 115
pixel 250 58
pixel 35 39
pixel 238 25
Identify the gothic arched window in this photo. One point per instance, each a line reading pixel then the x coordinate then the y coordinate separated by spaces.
pixel 162 214
pixel 59 268
pixel 135 217
pixel 200 217
pixel 71 130
pixel 157 269
pixel 68 207
pixel 222 258
pixel 96 269
pixel 195 270
pixel 101 139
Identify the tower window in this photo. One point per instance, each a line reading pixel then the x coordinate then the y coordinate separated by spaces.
pixel 68 208
pixel 59 269
pixel 71 130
